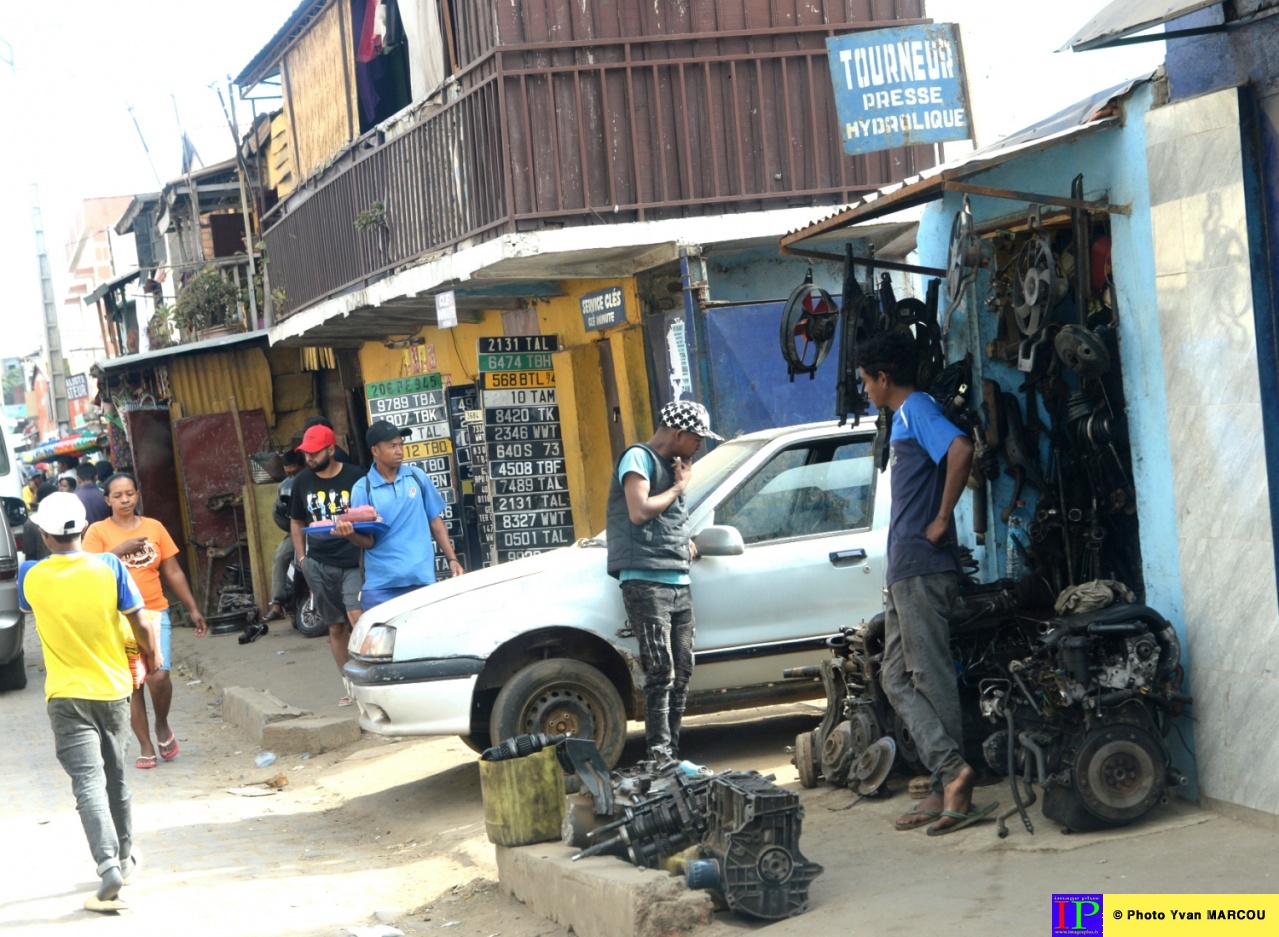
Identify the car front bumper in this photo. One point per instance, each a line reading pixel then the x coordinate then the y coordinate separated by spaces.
pixel 421 697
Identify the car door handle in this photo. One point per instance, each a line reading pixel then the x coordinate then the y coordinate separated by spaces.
pixel 847 557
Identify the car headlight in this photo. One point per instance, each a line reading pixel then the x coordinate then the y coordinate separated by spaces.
pixel 379 642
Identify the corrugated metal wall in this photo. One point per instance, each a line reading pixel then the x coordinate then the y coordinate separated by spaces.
pixel 203 383
pixel 319 90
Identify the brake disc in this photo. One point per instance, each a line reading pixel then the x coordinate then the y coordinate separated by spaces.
pixel 806 760
pixel 838 753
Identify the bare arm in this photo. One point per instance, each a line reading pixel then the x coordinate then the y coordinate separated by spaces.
pixel 643 507
pixel 144 634
pixel 177 580
pixel 299 539
pixel 440 533
pixel 959 462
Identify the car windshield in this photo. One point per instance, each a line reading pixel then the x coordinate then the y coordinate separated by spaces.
pixel 711 469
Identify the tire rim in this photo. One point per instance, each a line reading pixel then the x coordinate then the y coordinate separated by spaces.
pixel 561 710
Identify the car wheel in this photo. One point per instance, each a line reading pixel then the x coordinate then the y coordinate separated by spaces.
pixel 307 619
pixel 13 675
pixel 560 696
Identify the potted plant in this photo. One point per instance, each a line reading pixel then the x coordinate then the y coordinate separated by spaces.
pixel 160 327
pixel 208 306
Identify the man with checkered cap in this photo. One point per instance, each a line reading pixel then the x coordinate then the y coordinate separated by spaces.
pixel 649 552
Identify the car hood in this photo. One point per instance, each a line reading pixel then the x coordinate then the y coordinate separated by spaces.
pixel 471 615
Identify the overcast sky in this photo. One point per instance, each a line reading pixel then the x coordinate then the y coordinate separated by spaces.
pixel 79 64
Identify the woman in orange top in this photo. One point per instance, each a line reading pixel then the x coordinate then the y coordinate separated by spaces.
pixel 148 553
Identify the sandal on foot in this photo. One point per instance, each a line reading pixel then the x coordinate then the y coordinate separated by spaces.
pixel 915 818
pixel 104 905
pixel 169 749
pixel 964 819
pixel 345 701
pixel 144 761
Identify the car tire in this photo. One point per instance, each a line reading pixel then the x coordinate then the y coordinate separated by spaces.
pixel 557 696
pixel 307 619
pixel 13 675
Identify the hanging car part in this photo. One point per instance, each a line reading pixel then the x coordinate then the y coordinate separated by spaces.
pixel 1041 283
pixel 1081 227
pixel 1021 461
pixel 808 326
pixel 966 254
pixel 860 322
pixel 750 855
pixel 1082 351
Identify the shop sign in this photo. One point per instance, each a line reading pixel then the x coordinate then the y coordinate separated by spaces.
pixel 523 494
pixel 446 309
pixel 603 309
pixel 899 87
pixel 77 386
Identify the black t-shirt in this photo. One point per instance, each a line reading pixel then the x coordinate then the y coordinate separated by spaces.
pixel 322 499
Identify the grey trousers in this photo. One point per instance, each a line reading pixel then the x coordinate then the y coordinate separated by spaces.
pixel 662 618
pixel 918 673
pixel 89 736
pixel 280 570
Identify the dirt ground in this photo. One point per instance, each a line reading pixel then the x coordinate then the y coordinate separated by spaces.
pixel 393 832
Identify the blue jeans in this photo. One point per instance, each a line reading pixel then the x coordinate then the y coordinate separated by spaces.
pixel 89 736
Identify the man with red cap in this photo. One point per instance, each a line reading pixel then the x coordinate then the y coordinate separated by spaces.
pixel 331 564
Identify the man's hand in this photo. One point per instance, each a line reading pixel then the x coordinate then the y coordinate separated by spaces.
pixel 683 472
pixel 455 567
pixel 201 626
pixel 343 528
pixel 938 532
pixel 692 551
pixel 132 545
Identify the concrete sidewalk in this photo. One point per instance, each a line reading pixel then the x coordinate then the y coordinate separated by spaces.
pixel 282 690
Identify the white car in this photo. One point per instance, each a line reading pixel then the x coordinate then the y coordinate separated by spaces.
pixel 791 525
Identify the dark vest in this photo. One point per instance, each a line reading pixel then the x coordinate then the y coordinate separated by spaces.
pixel 661 543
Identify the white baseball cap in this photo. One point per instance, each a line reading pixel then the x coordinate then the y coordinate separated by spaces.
pixel 60 514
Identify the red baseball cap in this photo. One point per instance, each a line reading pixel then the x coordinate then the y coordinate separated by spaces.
pixel 317 438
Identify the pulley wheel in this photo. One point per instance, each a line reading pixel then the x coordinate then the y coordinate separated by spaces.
pixel 806 759
pixel 1119 772
pixel 864 729
pixel 1082 351
pixel 907 753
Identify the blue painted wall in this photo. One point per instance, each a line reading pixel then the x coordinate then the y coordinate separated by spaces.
pixel 1112 161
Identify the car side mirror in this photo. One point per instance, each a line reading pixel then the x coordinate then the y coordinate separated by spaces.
pixel 719 540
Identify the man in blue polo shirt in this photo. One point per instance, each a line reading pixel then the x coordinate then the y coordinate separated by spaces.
pixel 403 558
pixel 931 458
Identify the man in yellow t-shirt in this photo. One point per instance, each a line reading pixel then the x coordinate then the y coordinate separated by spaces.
pixel 85 606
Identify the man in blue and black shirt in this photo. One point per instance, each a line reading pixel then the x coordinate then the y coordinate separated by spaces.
pixel 931 459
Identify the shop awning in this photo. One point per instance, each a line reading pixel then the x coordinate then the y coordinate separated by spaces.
pixel 1120 19
pixel 79 444
pixel 110 285
pixel 1088 116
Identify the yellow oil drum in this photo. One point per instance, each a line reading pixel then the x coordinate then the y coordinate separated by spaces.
pixel 523 799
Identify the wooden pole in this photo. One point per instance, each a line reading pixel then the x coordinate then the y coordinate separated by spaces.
pixel 261 578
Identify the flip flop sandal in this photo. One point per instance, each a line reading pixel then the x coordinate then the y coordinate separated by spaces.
pixel 169 749
pixel 104 905
pixel 923 816
pixel 965 819
pixel 143 762
pixel 345 701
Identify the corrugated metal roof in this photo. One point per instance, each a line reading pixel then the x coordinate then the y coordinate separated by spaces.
pixel 148 358
pixel 1084 117
pixel 109 285
pixel 1122 18
pixel 264 63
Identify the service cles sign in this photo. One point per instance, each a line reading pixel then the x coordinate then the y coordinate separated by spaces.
pixel 899 87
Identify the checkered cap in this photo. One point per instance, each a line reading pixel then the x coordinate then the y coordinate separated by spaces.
pixel 689 416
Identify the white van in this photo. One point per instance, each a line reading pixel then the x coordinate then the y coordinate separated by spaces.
pixel 13 508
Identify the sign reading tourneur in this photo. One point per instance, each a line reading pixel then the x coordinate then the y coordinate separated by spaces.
pixel 899 87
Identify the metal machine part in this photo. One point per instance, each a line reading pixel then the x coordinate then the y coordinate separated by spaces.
pixel 1082 351
pixel 750 852
pixel 966 254
pixel 809 320
pixel 1079 704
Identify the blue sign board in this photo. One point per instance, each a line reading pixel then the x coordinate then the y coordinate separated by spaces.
pixel 899 87
pixel 603 309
